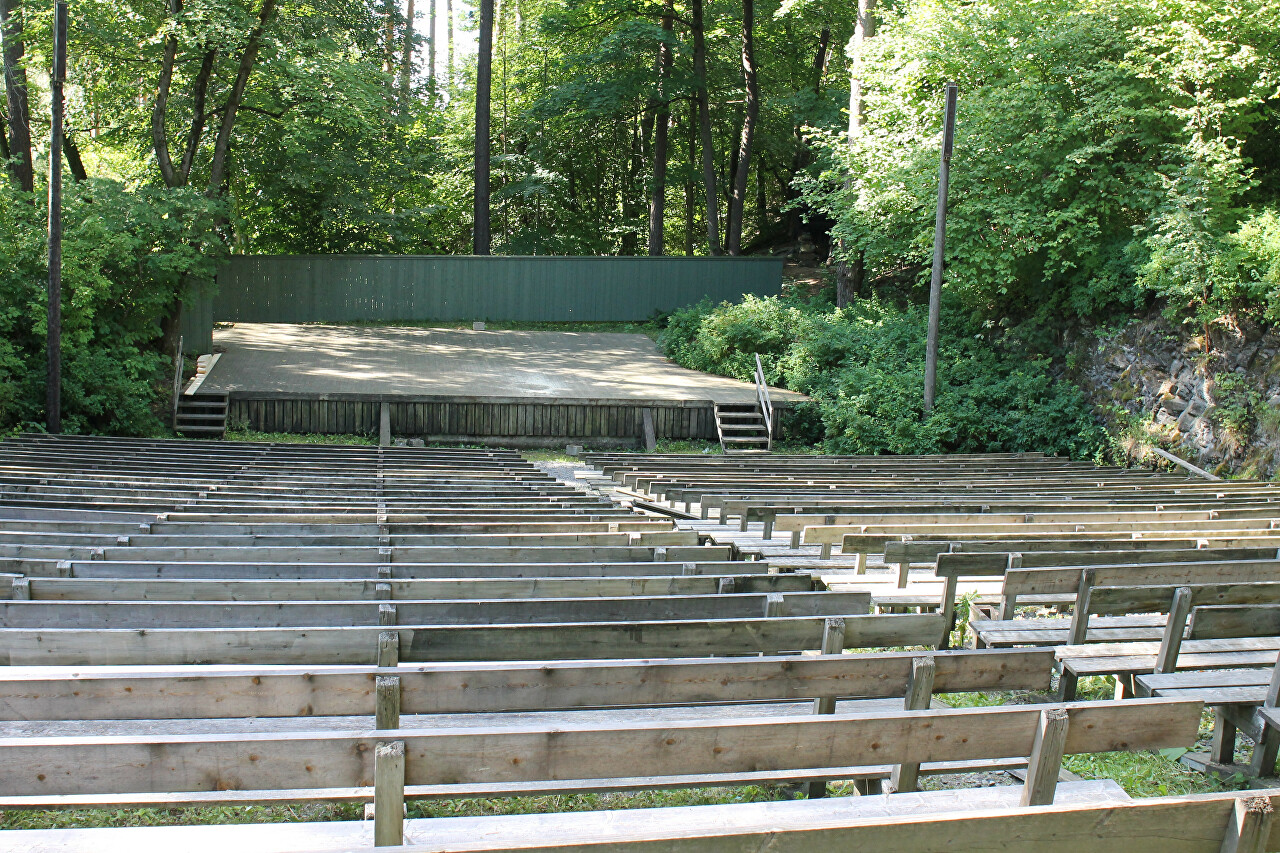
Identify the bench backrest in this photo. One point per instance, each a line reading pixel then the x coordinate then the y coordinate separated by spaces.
pixel 280 614
pixel 653 750
pixel 540 642
pixel 466 688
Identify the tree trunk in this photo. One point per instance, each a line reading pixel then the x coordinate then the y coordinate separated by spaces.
pixel 851 273
pixel 406 58
pixel 15 90
pixel 704 128
pixel 389 37
pixel 448 24
pixel 217 170
pixel 74 161
pixel 484 79
pixel 200 93
pixel 431 52
pixel 658 200
pixel 750 116
pixel 802 158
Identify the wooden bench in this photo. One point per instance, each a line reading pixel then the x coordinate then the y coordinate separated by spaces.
pixel 149 615
pixel 400 763
pixel 542 641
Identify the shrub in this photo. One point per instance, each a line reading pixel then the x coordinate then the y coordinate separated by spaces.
pixel 864 368
pixel 127 256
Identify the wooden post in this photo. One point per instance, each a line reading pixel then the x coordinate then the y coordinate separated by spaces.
pixel 1175 627
pixel 21 589
pixel 1080 618
pixel 904 568
pixel 832 644
pixel 388 794
pixel 53 384
pixel 772 605
pixel 949 610
pixel 1249 828
pixel 1046 757
pixel 388 649
pixel 918 698
pixel 939 248
pixel 1268 743
pixel 384 424
pixel 484 76
pixel 386 614
pixel 177 382
pixel 387 702
pixel 650 436
pixel 727 586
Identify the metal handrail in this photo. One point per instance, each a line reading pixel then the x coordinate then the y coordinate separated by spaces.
pixel 766 404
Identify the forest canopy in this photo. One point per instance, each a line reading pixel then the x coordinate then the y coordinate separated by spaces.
pixel 1112 156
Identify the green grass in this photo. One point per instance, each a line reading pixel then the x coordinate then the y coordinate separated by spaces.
pixel 298 438
pixel 1141 774
pixel 205 816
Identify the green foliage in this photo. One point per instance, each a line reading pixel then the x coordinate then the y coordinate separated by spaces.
pixel 864 368
pixel 128 256
pixel 1106 153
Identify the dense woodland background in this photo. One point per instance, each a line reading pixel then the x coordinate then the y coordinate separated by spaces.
pixel 1114 158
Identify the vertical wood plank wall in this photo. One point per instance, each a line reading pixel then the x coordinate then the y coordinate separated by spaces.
pixel 473 419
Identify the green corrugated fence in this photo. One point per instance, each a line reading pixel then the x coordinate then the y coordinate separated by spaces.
pixel 417 288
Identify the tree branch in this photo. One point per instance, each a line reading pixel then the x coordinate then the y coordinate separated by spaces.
pixel 159 134
pixel 247 58
pixel 201 90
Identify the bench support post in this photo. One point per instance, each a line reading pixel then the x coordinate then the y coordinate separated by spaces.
pixel 1268 742
pixel 388 648
pixel 1249 828
pixel 1080 618
pixel 388 794
pixel 1171 643
pixel 1046 757
pixel 949 609
pixel 387 698
pixel 832 644
pixel 919 696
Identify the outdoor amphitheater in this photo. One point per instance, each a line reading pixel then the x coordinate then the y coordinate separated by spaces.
pixel 189 625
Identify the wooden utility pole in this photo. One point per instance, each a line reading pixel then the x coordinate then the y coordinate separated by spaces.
pixel 53 389
pixel 939 248
pixel 484 77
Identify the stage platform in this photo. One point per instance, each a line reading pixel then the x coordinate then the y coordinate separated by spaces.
pixel 510 387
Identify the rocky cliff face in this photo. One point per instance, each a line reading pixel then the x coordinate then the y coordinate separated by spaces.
pixel 1212 399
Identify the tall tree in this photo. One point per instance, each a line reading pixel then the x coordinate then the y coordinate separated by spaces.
pixel 249 56
pixel 704 126
pixel 851 272
pixel 431 50
pixel 658 198
pixel 750 116
pixel 406 57
pixel 448 25
pixel 484 80
pixel 15 90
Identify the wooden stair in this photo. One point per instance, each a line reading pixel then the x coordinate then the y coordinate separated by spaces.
pixel 742 429
pixel 201 414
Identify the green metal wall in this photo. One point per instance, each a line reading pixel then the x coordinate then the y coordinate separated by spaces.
pixel 345 288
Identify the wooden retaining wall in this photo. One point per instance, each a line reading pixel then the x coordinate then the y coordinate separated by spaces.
pixel 463 419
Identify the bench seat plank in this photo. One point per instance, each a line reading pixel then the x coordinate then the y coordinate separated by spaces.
pixel 513 830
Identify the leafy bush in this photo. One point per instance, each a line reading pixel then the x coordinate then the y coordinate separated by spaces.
pixel 864 368
pixel 127 256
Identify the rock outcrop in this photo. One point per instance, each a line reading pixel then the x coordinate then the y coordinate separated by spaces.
pixel 1213 399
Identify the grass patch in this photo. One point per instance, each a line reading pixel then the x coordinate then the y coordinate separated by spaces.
pixel 299 438
pixel 317 812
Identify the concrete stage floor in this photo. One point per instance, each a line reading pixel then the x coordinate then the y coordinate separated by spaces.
pixel 379 361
